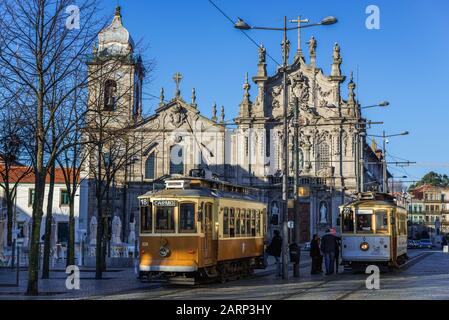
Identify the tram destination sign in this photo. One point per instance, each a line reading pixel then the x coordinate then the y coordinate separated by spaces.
pixel 165 203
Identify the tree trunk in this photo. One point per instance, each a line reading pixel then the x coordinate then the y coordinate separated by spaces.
pixel 99 246
pixel 33 268
pixel 9 213
pixel 48 226
pixel 71 244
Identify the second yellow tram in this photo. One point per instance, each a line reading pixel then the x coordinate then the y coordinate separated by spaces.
pixel 373 231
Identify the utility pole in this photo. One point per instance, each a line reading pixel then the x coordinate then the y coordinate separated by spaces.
pixel 297 230
pixel 362 162
pixel 384 164
pixel 285 163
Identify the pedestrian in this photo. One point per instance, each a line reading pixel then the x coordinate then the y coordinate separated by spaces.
pixel 328 247
pixel 337 249
pixel 443 242
pixel 274 249
pixel 315 254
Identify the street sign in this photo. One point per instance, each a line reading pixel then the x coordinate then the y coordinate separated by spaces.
pixel 290 224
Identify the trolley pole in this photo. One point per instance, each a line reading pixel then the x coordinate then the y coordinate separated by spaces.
pixel 384 164
pixel 285 163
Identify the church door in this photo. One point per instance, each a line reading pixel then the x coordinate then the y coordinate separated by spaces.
pixel 304 213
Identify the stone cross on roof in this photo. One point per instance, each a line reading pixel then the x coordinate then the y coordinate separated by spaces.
pixel 177 77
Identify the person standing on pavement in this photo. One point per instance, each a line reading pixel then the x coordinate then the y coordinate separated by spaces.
pixel 274 249
pixel 315 254
pixel 337 249
pixel 328 247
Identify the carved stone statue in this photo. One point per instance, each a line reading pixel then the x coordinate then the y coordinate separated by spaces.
pixel 323 212
pixel 274 208
pixel 312 46
pixel 262 54
pixel 286 48
pixel 116 230
pixel 93 230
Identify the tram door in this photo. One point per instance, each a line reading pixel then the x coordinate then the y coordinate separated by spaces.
pixel 394 235
pixel 208 241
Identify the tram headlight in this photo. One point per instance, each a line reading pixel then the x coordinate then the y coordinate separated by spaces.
pixel 364 246
pixel 164 252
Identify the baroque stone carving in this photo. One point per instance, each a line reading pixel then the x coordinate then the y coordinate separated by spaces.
pixel 275 94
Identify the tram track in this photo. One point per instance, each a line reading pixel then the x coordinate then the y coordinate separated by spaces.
pixel 402 268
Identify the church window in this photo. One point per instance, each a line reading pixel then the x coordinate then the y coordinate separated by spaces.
pixel 323 156
pixel 110 98
pixel 149 166
pixel 176 160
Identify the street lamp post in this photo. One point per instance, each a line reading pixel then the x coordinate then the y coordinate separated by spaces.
pixel 242 25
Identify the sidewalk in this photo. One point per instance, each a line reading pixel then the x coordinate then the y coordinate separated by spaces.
pixel 114 280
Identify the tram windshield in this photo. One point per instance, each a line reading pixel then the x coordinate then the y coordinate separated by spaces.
pixel 187 218
pixel 364 223
pixel 381 221
pixel 165 219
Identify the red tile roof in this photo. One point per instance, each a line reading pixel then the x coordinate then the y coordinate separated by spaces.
pixel 26 175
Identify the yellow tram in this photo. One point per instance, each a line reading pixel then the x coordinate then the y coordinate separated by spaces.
pixel 373 231
pixel 200 228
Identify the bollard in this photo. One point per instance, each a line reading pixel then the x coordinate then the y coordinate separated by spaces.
pixel 446 249
pixel 18 265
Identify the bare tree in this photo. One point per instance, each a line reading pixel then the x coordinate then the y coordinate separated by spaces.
pixel 34 38
pixel 12 171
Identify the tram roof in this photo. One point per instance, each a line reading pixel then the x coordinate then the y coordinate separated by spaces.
pixel 198 192
pixel 373 199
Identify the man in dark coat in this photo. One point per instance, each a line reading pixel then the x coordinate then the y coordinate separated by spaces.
pixel 315 254
pixel 328 247
pixel 275 249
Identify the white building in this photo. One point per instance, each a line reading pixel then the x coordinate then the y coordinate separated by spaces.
pixel 23 209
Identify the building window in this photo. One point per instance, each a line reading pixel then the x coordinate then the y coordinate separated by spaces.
pixel 176 160
pixel 149 166
pixel 30 197
pixel 110 92
pixel 63 232
pixel 65 200
pixel 323 156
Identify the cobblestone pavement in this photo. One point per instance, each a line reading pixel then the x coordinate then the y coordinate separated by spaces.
pixel 425 276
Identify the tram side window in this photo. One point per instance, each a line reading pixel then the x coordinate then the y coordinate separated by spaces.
pixel 364 223
pixel 248 223
pixel 348 220
pixel 187 218
pixel 402 226
pixel 165 219
pixel 237 222
pixel 146 219
pixel 258 223
pixel 244 217
pixel 253 223
pixel 381 222
pixel 232 223
pixel 225 222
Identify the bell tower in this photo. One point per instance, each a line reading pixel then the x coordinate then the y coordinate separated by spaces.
pixel 115 76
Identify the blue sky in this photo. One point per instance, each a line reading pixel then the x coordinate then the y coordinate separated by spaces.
pixel 405 62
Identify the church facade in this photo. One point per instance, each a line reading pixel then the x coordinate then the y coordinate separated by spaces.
pixel 177 138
